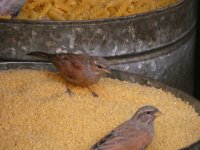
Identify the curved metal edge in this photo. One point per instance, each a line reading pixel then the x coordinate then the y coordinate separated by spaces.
pixel 147 55
pixel 121 76
pixel 195 146
pixel 155 52
pixel 97 21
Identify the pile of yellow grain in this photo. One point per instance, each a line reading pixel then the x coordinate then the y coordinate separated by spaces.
pixel 87 9
pixel 37 113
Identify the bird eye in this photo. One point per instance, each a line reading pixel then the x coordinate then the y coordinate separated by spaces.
pixel 148 112
pixel 99 66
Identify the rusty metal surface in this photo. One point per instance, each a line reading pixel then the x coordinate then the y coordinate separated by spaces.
pixel 116 75
pixel 132 41
pixel 172 65
pixel 107 37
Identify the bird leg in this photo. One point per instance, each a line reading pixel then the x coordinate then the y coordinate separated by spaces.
pixel 13 17
pixel 144 147
pixel 15 14
pixel 93 93
pixel 69 92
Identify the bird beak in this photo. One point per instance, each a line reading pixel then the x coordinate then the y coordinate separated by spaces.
pixel 107 70
pixel 158 114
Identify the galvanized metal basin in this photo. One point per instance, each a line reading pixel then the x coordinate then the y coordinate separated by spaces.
pixel 158 44
pixel 116 75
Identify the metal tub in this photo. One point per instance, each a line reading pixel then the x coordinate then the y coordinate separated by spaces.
pixel 115 75
pixel 157 44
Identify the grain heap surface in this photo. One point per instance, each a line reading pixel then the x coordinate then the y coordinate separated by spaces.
pixel 88 9
pixel 37 113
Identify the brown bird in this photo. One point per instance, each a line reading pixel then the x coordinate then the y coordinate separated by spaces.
pixel 79 69
pixel 11 7
pixel 134 134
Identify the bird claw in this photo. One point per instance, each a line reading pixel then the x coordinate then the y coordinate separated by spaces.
pixel 94 94
pixel 69 92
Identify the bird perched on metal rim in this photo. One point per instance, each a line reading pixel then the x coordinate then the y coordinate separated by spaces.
pixel 134 134
pixel 11 7
pixel 79 69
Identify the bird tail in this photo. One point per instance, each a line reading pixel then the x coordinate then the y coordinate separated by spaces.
pixel 39 54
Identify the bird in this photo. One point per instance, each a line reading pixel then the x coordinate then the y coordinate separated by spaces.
pixel 78 69
pixel 11 7
pixel 134 134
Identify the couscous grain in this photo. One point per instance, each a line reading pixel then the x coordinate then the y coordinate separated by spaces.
pixel 37 113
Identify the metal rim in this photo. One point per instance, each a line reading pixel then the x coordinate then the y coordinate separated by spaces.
pixel 98 21
pixel 153 53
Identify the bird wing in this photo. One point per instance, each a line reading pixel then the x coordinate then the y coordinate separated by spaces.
pixel 71 60
pixel 108 137
pixel 72 67
pixel 68 63
pixel 124 137
pixel 76 60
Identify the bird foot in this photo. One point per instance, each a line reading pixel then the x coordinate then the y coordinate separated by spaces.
pixel 94 94
pixel 69 92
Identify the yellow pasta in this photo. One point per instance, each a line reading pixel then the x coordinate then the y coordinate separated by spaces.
pixel 45 10
pixel 122 10
pixel 5 17
pixel 55 14
pixel 87 9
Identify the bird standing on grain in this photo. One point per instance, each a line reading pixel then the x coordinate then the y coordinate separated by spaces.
pixel 79 69
pixel 134 134
pixel 11 7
